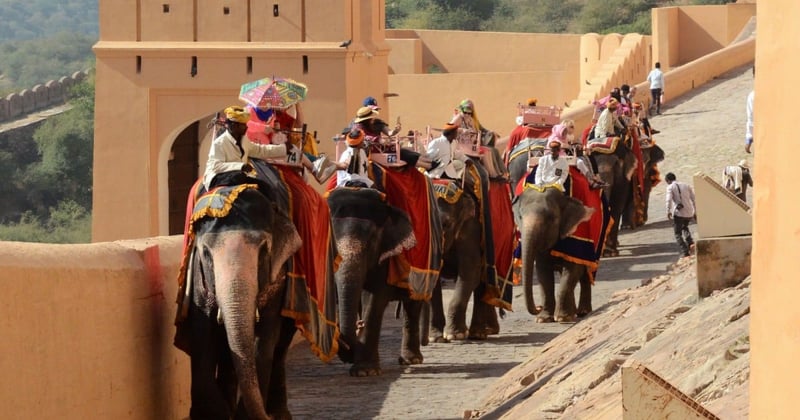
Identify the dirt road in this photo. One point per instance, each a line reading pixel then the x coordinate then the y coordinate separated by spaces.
pixel 702 131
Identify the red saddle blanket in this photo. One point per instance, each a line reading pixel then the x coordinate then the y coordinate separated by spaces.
pixel 409 190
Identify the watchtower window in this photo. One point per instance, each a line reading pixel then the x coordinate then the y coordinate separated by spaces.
pixel 226 10
pixel 165 8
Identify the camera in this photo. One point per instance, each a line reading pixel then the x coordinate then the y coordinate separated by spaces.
pixel 679 206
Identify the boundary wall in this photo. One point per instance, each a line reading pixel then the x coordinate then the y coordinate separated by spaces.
pixel 41 96
pixel 94 320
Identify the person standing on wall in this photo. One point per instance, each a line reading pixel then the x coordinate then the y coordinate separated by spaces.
pixel 656 79
pixel 681 210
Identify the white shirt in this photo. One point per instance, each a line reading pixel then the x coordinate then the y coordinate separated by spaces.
pixel 551 171
pixel 749 135
pixel 451 159
pixel 361 173
pixel 606 123
pixel 225 155
pixel 656 79
pixel 678 192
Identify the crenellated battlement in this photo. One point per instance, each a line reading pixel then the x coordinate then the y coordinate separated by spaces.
pixel 54 92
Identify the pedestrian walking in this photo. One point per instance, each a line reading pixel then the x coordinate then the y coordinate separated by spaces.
pixel 656 79
pixel 681 210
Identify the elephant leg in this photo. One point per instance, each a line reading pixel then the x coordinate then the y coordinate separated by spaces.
pixel 456 325
pixel 469 278
pixel 208 343
pixel 276 397
pixel 566 310
pixel 481 326
pixel 410 353
pixel 367 359
pixel 585 302
pixel 546 276
pixel 436 333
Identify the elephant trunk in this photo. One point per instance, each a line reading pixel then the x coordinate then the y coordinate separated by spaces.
pixel 349 281
pixel 529 230
pixel 236 283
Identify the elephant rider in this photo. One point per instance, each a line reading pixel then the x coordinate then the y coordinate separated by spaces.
pixel 448 160
pixel 552 169
pixel 466 118
pixel 608 125
pixel 266 126
pixel 355 159
pixel 230 152
pixel 373 127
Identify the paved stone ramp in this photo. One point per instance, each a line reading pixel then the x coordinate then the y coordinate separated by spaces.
pixel 702 131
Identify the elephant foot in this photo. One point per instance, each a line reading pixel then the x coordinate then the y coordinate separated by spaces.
pixel 478 335
pixel 456 336
pixel 365 369
pixel 610 253
pixel 493 330
pixel 566 318
pixel 410 358
pixel 424 340
pixel 438 339
pixel 544 318
pixel 280 415
pixel 582 312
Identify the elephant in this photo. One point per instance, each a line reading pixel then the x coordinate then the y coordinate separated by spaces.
pixel 368 232
pixel 615 169
pixel 463 261
pixel 545 216
pixel 237 283
pixel 652 155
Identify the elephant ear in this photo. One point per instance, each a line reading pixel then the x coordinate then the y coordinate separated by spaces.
pixel 573 213
pixel 398 235
pixel 629 163
pixel 285 242
pixel 656 154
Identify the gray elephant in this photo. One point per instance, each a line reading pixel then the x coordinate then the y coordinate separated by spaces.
pixel 545 216
pixel 637 205
pixel 368 233
pixel 236 336
pixel 463 261
pixel 615 168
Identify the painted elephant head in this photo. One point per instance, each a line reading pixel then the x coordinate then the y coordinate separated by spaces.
pixel 237 277
pixel 543 218
pixel 368 231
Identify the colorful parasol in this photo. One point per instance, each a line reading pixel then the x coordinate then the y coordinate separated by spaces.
pixel 273 92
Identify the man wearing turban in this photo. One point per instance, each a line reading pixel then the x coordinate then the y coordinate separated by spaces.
pixel 230 151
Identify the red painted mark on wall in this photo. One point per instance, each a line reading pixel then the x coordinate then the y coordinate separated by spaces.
pixel 152 265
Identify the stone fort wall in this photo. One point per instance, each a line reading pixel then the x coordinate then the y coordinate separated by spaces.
pixel 54 92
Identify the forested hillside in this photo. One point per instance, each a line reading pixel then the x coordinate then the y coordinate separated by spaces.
pixel 35 19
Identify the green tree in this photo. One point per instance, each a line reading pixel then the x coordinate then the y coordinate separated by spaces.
pixel 27 63
pixel 65 143
pixel 621 16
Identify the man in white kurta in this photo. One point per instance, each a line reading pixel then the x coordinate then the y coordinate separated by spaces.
pixel 449 159
pixel 607 122
pixel 231 150
pixel 552 169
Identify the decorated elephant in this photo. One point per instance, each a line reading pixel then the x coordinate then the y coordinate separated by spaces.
pixel 369 233
pixel 236 284
pixel 616 165
pixel 545 216
pixel 637 206
pixel 464 259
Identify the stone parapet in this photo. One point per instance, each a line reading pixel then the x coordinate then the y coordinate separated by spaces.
pixel 53 92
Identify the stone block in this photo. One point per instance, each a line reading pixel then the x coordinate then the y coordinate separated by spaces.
pixel 722 262
pixel 14 105
pixel 39 97
pixel 28 101
pixel 5 112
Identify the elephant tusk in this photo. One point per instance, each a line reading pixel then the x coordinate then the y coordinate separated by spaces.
pixel 219 316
